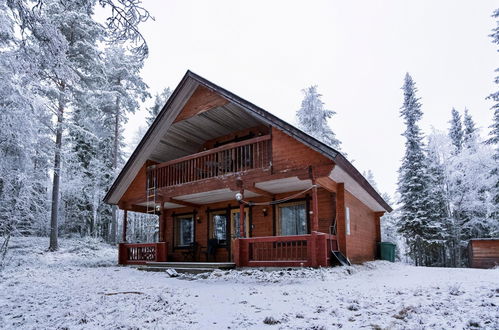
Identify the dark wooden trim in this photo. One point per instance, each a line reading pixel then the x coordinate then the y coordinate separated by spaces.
pixel 187 204
pixel 259 191
pixel 174 216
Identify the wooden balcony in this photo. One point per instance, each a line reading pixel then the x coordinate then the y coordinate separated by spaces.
pixel 234 157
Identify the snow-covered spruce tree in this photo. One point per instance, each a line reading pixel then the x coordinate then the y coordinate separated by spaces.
pixel 313 116
pixel 440 225
pixel 456 130
pixel 413 178
pixel 470 137
pixel 159 102
pixel 494 128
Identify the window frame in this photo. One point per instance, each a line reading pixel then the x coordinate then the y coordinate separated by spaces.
pixel 303 202
pixel 211 232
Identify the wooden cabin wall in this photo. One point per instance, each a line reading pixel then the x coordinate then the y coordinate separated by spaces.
pixel 361 243
pixel 484 253
pixel 289 153
pixel 137 188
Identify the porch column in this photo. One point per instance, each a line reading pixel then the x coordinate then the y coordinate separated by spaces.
pixel 340 218
pixel 162 221
pixel 241 216
pixel 125 222
pixel 315 208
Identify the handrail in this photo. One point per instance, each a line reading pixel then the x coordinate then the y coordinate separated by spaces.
pixel 213 151
pixel 287 238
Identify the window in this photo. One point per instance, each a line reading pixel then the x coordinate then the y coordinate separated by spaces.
pixel 218 226
pixel 292 219
pixel 185 230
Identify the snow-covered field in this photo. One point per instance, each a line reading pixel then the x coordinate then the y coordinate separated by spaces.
pixel 80 288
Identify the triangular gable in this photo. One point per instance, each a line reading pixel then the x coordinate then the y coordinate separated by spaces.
pixel 194 95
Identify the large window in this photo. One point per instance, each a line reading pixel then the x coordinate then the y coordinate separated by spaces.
pixel 184 225
pixel 292 219
pixel 218 226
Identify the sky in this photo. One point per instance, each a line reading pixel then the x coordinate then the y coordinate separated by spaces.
pixel 357 52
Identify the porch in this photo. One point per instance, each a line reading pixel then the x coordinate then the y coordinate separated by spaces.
pixel 309 250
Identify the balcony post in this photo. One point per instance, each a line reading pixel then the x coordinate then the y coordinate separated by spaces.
pixel 125 222
pixel 162 221
pixel 315 223
pixel 241 216
pixel 315 207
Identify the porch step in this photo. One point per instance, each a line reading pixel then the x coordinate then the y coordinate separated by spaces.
pixel 204 265
pixel 186 267
pixel 190 270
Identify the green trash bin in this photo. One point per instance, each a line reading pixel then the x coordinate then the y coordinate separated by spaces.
pixel 387 251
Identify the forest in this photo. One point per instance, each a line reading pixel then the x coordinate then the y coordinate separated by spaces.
pixel 70 83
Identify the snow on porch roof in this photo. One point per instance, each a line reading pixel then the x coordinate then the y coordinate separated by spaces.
pixel 174 105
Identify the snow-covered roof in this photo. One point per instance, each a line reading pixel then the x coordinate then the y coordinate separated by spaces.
pixel 147 148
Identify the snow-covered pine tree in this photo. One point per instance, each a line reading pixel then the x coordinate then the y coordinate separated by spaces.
pixel 313 117
pixel 456 130
pixel 159 102
pixel 494 128
pixel 413 177
pixel 124 89
pixel 23 152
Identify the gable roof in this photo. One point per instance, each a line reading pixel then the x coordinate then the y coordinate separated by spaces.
pixel 174 105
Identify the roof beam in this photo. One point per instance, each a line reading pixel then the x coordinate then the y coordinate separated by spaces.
pixel 179 202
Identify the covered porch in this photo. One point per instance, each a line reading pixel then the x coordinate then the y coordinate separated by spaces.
pixel 281 223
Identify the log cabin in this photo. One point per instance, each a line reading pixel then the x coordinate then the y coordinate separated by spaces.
pixel 230 182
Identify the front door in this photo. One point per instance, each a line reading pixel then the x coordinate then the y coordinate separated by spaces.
pixel 235 231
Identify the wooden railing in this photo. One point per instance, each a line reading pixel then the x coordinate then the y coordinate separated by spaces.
pixel 287 248
pixel 231 158
pixel 309 250
pixel 140 253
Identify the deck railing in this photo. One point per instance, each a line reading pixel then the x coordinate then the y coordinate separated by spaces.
pixel 285 251
pixel 231 158
pixel 140 253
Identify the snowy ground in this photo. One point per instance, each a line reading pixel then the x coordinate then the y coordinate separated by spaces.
pixel 80 288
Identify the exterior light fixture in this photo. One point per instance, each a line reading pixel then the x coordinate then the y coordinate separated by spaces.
pixel 239 197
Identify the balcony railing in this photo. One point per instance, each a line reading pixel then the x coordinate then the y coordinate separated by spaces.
pixel 235 157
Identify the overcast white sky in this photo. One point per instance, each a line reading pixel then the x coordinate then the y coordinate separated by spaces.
pixel 357 52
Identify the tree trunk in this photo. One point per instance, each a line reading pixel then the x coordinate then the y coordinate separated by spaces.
pixel 114 220
pixel 56 181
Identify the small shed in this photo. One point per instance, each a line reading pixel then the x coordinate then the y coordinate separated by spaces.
pixel 483 252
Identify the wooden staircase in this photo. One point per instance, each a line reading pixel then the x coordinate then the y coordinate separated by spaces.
pixel 186 267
